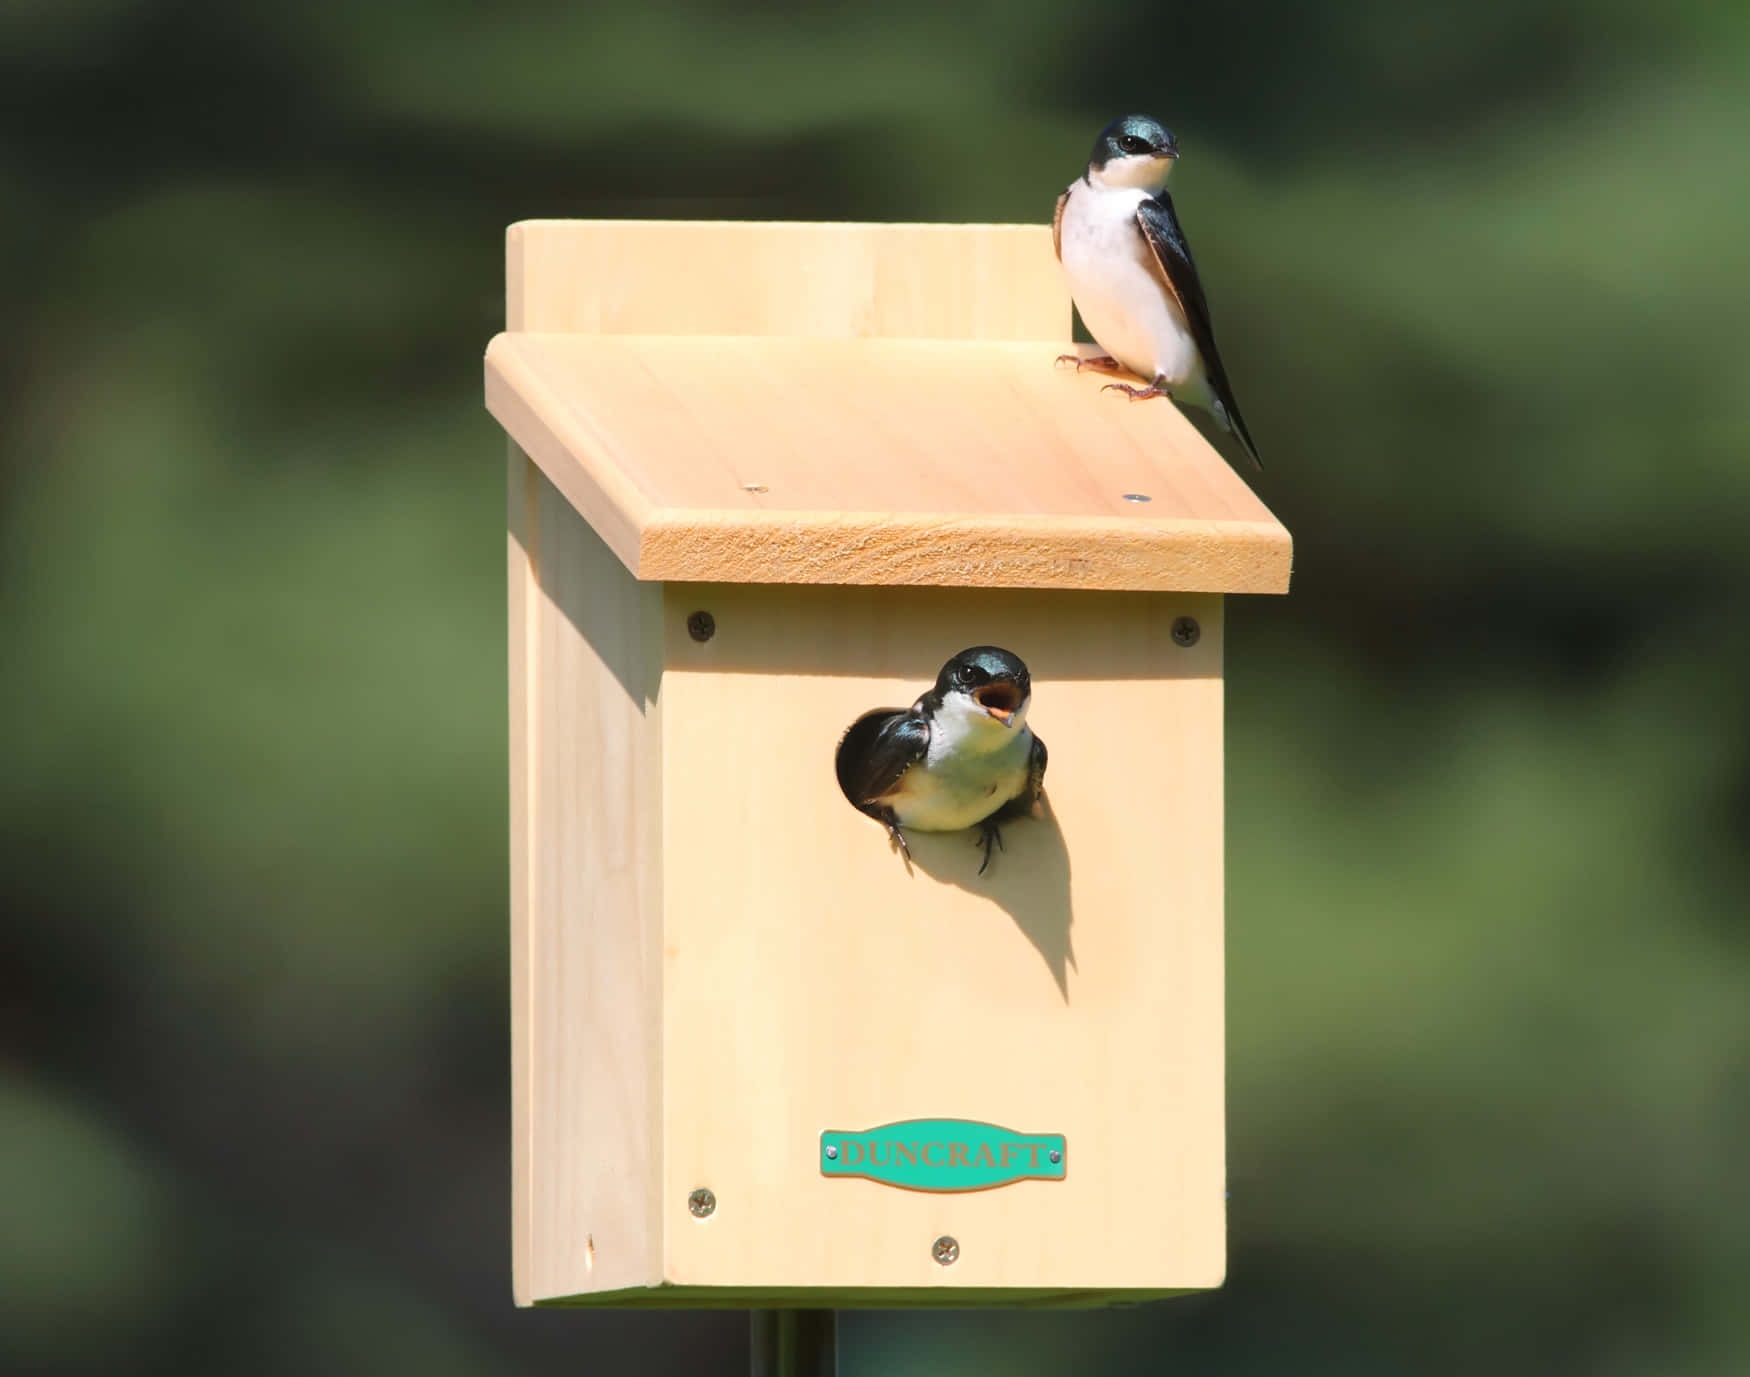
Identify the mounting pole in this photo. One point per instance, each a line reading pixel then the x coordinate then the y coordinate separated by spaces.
pixel 794 1343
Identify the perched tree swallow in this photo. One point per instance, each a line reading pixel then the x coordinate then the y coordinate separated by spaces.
pixel 962 755
pixel 1131 274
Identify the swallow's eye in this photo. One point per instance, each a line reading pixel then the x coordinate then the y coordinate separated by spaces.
pixel 971 676
pixel 1131 144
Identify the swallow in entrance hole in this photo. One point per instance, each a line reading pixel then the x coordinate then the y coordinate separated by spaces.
pixel 961 756
pixel 1132 278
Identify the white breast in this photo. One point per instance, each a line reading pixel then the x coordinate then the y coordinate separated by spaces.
pixel 973 767
pixel 1118 288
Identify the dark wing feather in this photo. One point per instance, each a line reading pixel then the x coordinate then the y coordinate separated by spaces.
pixel 879 747
pixel 1160 227
pixel 1036 772
pixel 1057 226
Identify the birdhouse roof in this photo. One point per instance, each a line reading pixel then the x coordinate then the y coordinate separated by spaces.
pixel 813 453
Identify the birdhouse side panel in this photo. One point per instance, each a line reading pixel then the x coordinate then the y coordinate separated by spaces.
pixel 586 899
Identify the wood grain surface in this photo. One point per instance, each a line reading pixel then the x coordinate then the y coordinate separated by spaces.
pixel 780 460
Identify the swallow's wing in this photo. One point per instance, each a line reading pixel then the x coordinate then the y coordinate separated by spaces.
pixel 880 747
pixel 1035 772
pixel 1022 803
pixel 1160 227
pixel 1057 226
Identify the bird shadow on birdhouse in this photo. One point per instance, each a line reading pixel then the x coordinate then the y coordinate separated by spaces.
pixel 1028 878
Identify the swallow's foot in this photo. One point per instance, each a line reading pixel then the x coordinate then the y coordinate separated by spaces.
pixel 897 838
pixel 1139 394
pixel 989 832
pixel 1104 363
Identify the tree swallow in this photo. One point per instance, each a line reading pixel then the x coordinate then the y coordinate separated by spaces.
pixel 961 756
pixel 1132 278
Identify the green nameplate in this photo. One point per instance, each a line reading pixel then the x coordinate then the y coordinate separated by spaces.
pixel 943 1155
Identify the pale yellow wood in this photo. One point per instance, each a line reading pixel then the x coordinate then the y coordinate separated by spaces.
pixel 522 483
pixel 589 913
pixel 777 460
pixel 714 956
pixel 810 982
pixel 673 277
pixel 606 499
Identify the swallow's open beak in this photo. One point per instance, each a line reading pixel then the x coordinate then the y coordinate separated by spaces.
pixel 1002 700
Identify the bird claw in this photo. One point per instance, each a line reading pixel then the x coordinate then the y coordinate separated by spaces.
pixel 989 832
pixel 897 838
pixel 1137 394
pixel 1100 363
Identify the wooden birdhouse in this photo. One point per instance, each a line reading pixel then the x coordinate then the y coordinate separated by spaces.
pixel 762 478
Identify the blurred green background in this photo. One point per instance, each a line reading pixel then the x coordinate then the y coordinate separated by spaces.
pixel 1480 277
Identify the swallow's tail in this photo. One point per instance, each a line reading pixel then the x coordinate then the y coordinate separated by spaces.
pixel 1229 416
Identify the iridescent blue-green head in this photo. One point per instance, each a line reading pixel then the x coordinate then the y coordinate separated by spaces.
pixel 1133 151
pixel 984 682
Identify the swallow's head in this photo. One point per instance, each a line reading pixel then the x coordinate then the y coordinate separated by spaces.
pixel 1133 151
pixel 984 692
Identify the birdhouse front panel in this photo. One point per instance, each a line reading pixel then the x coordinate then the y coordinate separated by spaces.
pixel 814 981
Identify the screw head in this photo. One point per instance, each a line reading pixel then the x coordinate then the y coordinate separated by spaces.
pixel 832 1152
pixel 701 626
pixel 702 1203
pixel 1186 631
pixel 946 1250
pixel 1137 497
pixel 1055 1156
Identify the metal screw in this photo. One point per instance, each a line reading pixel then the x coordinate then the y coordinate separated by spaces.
pixel 945 1250
pixel 1137 497
pixel 753 487
pixel 702 1203
pixel 832 1152
pixel 701 626
pixel 1055 1156
pixel 1186 631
